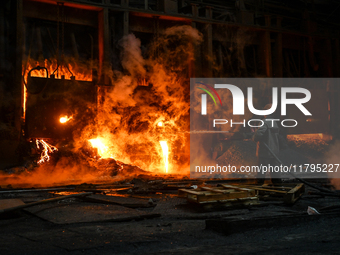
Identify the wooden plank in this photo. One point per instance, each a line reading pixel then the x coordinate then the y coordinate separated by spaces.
pixel 216 190
pixel 271 186
pixel 279 188
pixel 250 190
pixel 289 195
pixel 182 182
pixel 294 194
pixel 238 199
pixel 231 203
pixel 270 190
pixel 210 195
pixel 116 200
pixel 9 203
pixel 33 190
pixel 221 197
pixel 43 202
pixel 183 191
pixel 234 187
pixel 298 187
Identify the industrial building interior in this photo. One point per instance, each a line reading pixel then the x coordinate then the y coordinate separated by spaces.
pixel 229 39
pixel 95 98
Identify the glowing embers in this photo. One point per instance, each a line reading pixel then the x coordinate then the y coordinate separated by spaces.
pixel 99 144
pixel 65 119
pixel 165 150
pixel 46 149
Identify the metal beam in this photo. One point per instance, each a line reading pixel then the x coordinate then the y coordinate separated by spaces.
pixel 103 43
pixel 265 54
pixel 72 15
pixel 277 56
pixel 336 48
pixel 208 47
pixel 18 90
pixel 126 23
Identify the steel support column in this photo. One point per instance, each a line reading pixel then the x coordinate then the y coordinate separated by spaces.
pixel 103 43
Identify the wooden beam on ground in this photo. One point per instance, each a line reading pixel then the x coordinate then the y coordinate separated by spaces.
pixel 45 201
pixel 34 190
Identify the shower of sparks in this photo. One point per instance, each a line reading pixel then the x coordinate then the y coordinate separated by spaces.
pixel 46 149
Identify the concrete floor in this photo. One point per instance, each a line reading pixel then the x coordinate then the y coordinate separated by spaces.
pixel 180 229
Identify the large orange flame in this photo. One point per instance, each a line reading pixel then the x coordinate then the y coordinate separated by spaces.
pixel 103 150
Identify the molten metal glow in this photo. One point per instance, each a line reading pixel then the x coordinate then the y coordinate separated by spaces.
pixel 103 150
pixel 160 124
pixel 47 148
pixel 165 150
pixel 24 102
pixel 65 119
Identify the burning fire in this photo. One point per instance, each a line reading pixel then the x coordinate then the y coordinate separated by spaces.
pixel 65 119
pixel 99 144
pixel 24 103
pixel 165 150
pixel 130 126
pixel 81 73
pixel 47 148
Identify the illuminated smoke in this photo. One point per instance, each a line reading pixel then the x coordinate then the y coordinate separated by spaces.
pixel 133 116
